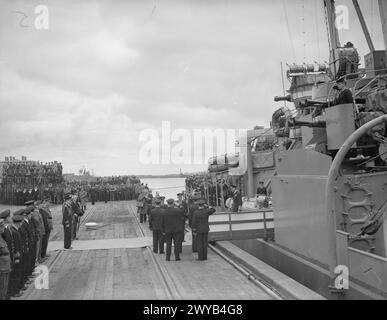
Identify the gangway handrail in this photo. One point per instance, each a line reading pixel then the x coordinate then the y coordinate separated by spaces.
pixel 243 211
pixel 231 219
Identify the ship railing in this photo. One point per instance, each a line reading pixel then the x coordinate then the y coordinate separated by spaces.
pixel 246 224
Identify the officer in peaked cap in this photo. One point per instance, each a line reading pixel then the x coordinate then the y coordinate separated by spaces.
pixel 155 223
pixel 25 236
pixel 171 227
pixel 29 202
pixel 5 263
pixel 5 214
pixel 200 228
pixel 17 217
pixel 44 210
pixel 39 228
pixel 67 220
pixel 192 207
pixel 32 237
pixel 182 204
pixel 162 202
pixel 7 236
pixel 29 209
pixel 16 275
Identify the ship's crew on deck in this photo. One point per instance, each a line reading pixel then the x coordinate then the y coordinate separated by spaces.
pixel 83 199
pixel 155 224
pixel 180 202
pixel 149 200
pixel 344 95
pixel 201 228
pixel 16 276
pixel 262 200
pixel 162 204
pixel 106 194
pixel 156 197
pixel 5 263
pixel 237 199
pixel 67 220
pixel 261 190
pixel 142 205
pixel 92 195
pixel 171 227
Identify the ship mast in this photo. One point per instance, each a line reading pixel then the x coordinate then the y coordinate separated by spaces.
pixel 330 12
pixel 334 41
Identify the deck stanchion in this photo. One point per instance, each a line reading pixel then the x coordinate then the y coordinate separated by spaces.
pixel 264 226
pixel 230 224
pixel 222 197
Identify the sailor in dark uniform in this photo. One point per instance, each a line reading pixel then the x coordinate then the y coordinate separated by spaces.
pixel 17 270
pixel 344 95
pixel 182 205
pixel 193 206
pixel 47 219
pixel 77 213
pixel 201 228
pixel 171 227
pixel 67 220
pixel 262 200
pixel 25 234
pixel 38 222
pixel 7 236
pixel 237 199
pixel 155 224
pixel 5 264
pixel 32 238
pixel 92 195
pixel 261 190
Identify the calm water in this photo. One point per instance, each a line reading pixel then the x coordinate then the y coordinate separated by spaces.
pixel 167 187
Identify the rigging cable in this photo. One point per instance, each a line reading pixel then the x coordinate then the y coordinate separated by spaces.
pixel 303 30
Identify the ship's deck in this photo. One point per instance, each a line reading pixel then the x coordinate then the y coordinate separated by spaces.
pixel 115 262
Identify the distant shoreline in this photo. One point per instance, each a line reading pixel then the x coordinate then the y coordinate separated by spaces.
pixel 162 176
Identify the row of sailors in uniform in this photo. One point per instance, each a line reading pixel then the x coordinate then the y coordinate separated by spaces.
pixel 168 225
pixel 24 238
pixel 111 193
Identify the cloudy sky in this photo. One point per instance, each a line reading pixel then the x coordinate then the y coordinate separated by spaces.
pixel 83 90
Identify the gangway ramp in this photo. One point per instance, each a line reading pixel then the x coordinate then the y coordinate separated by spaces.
pixel 251 224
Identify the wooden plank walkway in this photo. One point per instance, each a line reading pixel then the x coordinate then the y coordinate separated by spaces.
pixel 130 273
